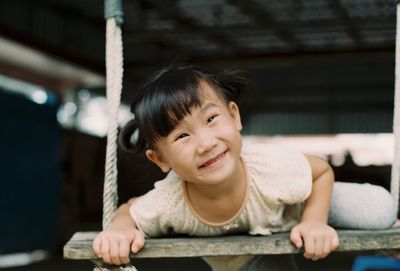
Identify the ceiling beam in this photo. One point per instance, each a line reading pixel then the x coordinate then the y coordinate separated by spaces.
pixel 265 18
pixel 171 10
pixel 30 65
pixel 349 26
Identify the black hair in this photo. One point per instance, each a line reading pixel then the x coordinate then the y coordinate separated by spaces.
pixel 168 97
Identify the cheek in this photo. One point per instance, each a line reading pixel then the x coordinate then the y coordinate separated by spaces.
pixel 234 136
pixel 179 156
pixel 230 130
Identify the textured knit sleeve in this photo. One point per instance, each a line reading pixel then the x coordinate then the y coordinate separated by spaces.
pixel 151 211
pixel 282 176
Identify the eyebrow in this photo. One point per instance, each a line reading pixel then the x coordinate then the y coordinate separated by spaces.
pixel 203 109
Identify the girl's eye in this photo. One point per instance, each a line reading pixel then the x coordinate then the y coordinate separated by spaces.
pixel 181 136
pixel 210 119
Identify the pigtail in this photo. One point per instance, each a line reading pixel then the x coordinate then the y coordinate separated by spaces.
pixel 232 82
pixel 130 140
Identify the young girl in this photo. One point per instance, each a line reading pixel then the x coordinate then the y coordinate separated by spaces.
pixel 189 124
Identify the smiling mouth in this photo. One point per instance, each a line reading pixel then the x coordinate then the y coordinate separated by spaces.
pixel 213 161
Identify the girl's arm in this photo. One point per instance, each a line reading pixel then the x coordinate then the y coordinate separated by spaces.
pixel 313 232
pixel 115 243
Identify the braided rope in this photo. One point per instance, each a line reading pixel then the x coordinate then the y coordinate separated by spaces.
pixel 395 180
pixel 114 72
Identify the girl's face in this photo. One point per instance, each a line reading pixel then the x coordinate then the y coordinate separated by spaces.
pixel 205 146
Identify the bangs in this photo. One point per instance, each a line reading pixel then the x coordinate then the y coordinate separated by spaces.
pixel 168 102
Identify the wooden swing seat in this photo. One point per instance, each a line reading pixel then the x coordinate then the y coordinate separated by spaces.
pixel 80 245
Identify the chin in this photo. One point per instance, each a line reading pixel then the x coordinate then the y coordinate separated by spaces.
pixel 221 176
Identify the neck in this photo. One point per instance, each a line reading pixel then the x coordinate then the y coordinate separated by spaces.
pixel 218 203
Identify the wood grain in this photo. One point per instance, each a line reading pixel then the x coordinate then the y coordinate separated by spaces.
pixel 80 245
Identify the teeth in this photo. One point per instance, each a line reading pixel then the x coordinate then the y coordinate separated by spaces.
pixel 212 161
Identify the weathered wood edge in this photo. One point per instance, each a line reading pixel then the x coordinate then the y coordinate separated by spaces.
pixel 80 245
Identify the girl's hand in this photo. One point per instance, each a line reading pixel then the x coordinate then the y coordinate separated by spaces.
pixel 317 238
pixel 115 245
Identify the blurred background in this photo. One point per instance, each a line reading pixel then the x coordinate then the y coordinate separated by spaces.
pixel 323 73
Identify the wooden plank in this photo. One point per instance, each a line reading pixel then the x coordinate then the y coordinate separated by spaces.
pixel 80 245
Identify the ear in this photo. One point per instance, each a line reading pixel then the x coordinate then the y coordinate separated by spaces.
pixel 234 111
pixel 157 159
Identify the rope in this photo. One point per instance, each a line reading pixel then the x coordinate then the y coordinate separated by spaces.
pixel 114 72
pixel 395 180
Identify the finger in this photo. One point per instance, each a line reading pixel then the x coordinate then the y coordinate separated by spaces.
pixel 124 251
pixel 327 248
pixel 114 252
pixel 105 250
pixel 97 246
pixel 335 242
pixel 138 242
pixel 319 247
pixel 295 237
pixel 309 247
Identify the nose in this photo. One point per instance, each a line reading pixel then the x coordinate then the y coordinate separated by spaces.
pixel 206 142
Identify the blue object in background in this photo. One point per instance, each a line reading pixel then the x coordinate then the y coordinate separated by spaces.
pixel 376 263
pixel 29 174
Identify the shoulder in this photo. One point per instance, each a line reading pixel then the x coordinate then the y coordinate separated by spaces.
pixel 167 189
pixel 153 211
pixel 171 182
pixel 278 171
